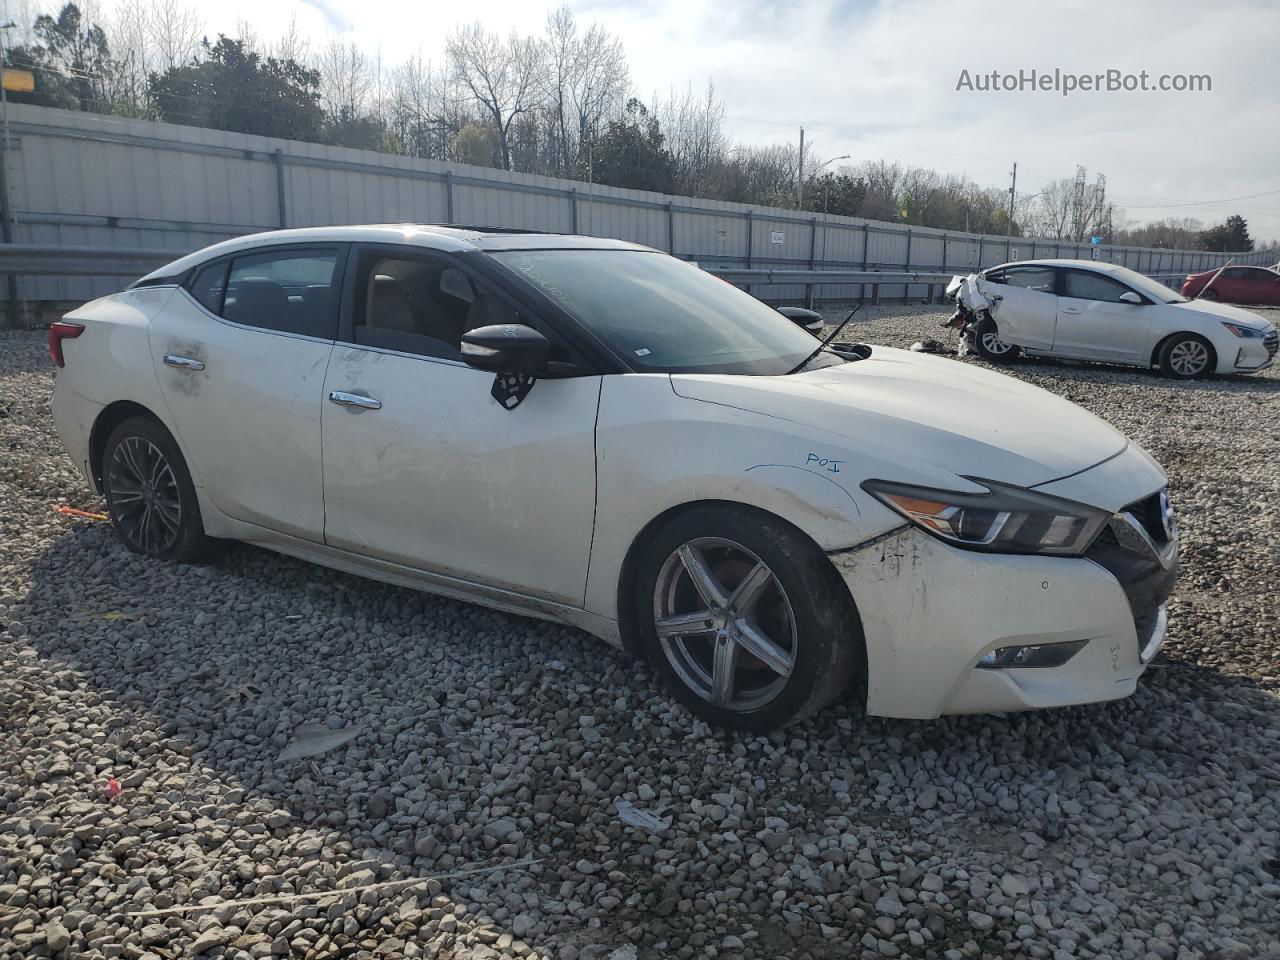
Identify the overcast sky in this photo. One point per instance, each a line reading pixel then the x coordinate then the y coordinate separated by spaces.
pixel 877 80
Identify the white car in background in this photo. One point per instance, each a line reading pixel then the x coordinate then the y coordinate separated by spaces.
pixel 592 432
pixel 1082 310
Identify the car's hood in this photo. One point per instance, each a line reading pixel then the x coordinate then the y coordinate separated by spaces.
pixel 1226 311
pixel 953 416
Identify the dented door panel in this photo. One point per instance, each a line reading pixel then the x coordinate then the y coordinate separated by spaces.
pixel 246 411
pixel 1026 318
pixel 440 477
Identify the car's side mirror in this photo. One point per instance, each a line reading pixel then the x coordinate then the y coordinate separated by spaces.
pixel 1130 297
pixel 811 320
pixel 506 348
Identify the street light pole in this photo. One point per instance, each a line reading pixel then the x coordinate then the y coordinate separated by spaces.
pixel 825 189
pixel 800 175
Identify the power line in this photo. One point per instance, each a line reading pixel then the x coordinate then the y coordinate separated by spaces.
pixel 1202 203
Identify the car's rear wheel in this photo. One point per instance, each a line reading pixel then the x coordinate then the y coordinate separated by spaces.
pixel 989 346
pixel 1185 356
pixel 745 618
pixel 150 497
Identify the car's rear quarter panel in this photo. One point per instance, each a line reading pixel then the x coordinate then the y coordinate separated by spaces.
pixel 109 362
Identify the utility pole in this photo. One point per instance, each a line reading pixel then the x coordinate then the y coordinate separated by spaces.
pixel 1013 188
pixel 800 175
pixel 6 214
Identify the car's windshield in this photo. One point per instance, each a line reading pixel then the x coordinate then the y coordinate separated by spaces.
pixel 1152 289
pixel 662 315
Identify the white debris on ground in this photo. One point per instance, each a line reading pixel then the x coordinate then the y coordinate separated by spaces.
pixel 1146 828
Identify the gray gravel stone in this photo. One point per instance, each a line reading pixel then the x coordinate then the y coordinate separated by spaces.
pixel 1147 827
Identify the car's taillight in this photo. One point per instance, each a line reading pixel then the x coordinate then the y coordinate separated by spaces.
pixel 58 331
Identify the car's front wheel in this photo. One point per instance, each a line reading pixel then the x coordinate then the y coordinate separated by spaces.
pixel 1211 295
pixel 150 497
pixel 1185 356
pixel 989 346
pixel 745 618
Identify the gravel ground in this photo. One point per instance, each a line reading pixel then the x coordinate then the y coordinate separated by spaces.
pixel 1143 828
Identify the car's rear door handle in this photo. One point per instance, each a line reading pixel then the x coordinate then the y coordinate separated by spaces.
pixel 182 363
pixel 1071 310
pixel 360 400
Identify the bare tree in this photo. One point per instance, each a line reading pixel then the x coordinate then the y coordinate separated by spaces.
pixel 247 34
pixel 884 186
pixel 1175 233
pixel 173 34
pixel 132 58
pixel 503 77
pixel 426 109
pixel 1070 209
pixel 762 175
pixel 292 45
pixel 346 80
pixel 694 128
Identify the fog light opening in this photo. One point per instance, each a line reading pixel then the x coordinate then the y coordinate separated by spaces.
pixel 1031 655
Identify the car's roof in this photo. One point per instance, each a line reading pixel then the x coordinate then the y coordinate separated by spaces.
pixel 1095 265
pixel 454 239
pixel 1235 266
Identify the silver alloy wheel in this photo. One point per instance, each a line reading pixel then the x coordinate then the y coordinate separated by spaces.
pixel 993 344
pixel 1188 358
pixel 143 495
pixel 725 624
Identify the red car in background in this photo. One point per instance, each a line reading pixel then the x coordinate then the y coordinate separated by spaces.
pixel 1236 285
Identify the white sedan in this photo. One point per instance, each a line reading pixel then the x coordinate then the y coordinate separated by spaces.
pixel 595 433
pixel 1082 310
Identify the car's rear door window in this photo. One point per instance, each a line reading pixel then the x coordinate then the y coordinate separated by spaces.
pixel 288 291
pixel 209 284
pixel 1092 286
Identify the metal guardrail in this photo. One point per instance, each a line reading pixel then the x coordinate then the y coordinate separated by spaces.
pixel 830 276
pixel 60 260
pixel 935 281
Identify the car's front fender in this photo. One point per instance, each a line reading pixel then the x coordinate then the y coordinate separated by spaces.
pixel 656 451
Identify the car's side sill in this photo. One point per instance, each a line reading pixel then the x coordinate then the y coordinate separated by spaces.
pixel 440 584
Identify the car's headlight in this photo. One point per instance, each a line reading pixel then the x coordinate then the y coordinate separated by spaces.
pixel 1005 520
pixel 1247 332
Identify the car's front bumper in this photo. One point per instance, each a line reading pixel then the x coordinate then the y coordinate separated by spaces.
pixel 1253 354
pixel 930 612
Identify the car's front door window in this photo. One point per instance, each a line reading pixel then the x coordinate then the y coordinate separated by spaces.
pixel 412 303
pixel 1040 279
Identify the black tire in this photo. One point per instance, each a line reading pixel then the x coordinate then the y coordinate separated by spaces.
pixel 1186 356
pixel 150 497
pixel 1210 295
pixel 803 593
pixel 988 345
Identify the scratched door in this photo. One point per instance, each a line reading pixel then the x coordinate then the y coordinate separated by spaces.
pixel 441 477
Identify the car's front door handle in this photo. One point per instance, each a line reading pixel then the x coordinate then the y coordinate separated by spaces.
pixel 182 363
pixel 342 398
pixel 1071 310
